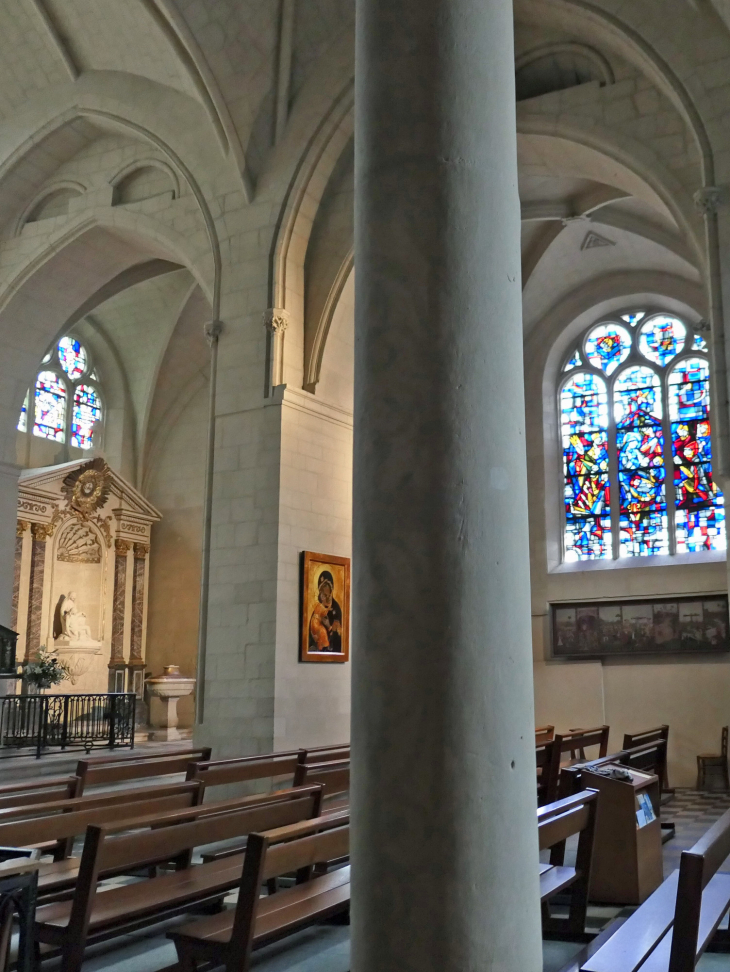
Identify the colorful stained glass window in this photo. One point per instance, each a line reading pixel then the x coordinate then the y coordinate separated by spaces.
pixel 23 420
pixel 699 343
pixel 607 346
pixel 700 505
pixel 584 422
pixel 633 319
pixel 50 406
pixel 575 362
pixel 662 338
pixel 87 411
pixel 643 520
pixel 72 357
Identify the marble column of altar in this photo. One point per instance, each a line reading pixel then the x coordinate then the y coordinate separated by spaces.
pixel 136 661
pixel 117 664
pixel 22 526
pixel 40 533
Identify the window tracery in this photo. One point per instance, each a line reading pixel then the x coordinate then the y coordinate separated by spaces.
pixel 634 406
pixel 66 404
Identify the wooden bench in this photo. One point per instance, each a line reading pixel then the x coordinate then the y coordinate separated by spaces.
pixel 29 792
pixel 577 741
pixel 333 777
pixel 68 926
pixel 246 769
pixel 547 762
pixel 649 737
pixel 672 929
pixel 229 938
pixel 325 754
pixel 544 734
pixel 108 770
pixel 556 822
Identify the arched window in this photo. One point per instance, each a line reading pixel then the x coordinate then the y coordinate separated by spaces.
pixel 65 405
pixel 634 406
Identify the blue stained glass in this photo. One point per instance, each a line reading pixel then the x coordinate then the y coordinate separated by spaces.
pixel 662 338
pixel 584 423
pixel 72 357
pixel 608 346
pixel 633 319
pixel 643 520
pixel 50 407
pixel 575 362
pixel 23 420
pixel 87 411
pixel 699 344
pixel 700 505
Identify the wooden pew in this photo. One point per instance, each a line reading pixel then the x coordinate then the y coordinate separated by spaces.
pixel 673 928
pixel 325 754
pixel 577 741
pixel 279 767
pixel 106 770
pixel 333 777
pixel 556 822
pixel 544 734
pixel 52 827
pixel 649 737
pixel 229 938
pixel 69 926
pixel 29 792
pixel 547 760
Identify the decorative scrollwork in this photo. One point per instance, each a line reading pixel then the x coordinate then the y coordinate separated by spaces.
pixel 87 488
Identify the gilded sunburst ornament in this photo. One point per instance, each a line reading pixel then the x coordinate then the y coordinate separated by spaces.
pixel 87 488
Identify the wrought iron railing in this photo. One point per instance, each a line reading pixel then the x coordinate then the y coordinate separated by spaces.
pixel 67 722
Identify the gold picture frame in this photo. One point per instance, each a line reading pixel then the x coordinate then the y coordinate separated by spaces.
pixel 325 634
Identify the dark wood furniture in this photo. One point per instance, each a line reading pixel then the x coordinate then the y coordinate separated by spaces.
pixel 272 768
pixel 109 770
pixel 547 762
pixel 544 734
pixel 680 921
pixel 649 737
pixel 38 791
pixel 712 760
pixel 228 938
pixel 69 926
pixel 334 778
pixel 18 883
pixel 577 741
pixel 555 823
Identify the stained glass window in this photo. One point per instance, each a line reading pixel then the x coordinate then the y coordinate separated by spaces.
pixel 72 357
pixel 87 411
pixel 50 406
pixel 662 338
pixel 700 516
pixel 635 430
pixel 23 420
pixel 608 346
pixel 643 523
pixel 584 420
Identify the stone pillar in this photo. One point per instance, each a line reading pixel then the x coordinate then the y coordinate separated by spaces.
pixel 22 526
pixel 117 664
pixel 444 830
pixel 136 662
pixel 40 533
pixel 8 519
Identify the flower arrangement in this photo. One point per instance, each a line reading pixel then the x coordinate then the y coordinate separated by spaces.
pixel 46 670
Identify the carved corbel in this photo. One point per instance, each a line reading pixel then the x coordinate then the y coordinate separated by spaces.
pixel 276 321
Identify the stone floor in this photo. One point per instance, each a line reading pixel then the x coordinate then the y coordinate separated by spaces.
pixel 327 948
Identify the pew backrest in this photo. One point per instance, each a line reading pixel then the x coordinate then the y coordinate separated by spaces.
pixel 246 769
pixel 544 734
pixel 325 754
pixel 577 741
pixel 107 772
pixel 547 761
pixel 39 791
pixel 333 777
pixel 648 737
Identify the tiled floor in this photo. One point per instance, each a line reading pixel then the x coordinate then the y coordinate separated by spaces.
pixel 327 948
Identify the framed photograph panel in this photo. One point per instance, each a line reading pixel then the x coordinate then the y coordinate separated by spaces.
pixel 325 634
pixel 654 626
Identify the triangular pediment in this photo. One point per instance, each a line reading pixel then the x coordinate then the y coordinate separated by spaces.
pixel 49 481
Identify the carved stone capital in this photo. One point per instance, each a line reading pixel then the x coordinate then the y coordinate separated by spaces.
pixel 703 326
pixel 141 550
pixel 276 319
pixel 41 531
pixel 213 331
pixel 20 527
pixel 122 547
pixel 709 199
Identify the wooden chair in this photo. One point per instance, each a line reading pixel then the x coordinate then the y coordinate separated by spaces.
pixel 228 938
pixel 706 760
pixel 68 926
pixel 106 770
pixel 555 823
pixel 673 928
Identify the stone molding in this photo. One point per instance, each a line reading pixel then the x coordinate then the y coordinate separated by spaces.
pixel 141 550
pixel 276 319
pixel 709 199
pixel 122 547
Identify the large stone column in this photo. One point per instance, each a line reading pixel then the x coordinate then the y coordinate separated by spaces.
pixel 444 832
pixel 117 664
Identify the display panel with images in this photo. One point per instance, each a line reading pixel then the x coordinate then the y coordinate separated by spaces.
pixel 651 626
pixel 325 634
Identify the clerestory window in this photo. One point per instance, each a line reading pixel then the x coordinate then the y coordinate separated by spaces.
pixel 634 410
pixel 65 404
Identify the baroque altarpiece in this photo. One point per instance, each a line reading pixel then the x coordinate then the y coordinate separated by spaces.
pixel 81 574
